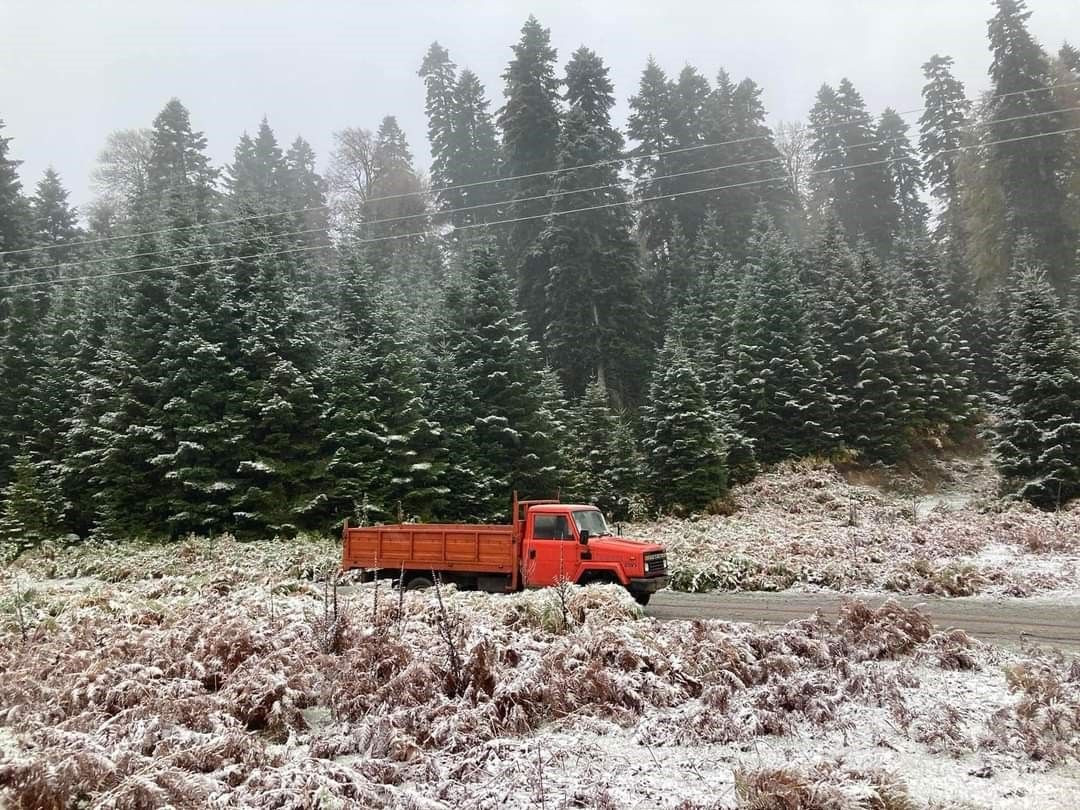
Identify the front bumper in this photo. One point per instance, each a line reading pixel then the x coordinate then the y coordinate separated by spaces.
pixel 648 584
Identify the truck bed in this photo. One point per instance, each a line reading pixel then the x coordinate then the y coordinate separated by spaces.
pixel 463 547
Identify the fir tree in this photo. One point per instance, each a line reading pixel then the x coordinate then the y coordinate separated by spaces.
pixel 1038 436
pixel 945 112
pixel 180 182
pixel 529 121
pixel 1030 169
pixel 14 209
pixel 906 174
pixel 383 449
pixel 684 454
pixel 597 318
pixel 55 222
pixel 501 367
pixel 440 78
pixel 865 361
pixel 31 505
pixel 304 193
pixel 475 153
pixel 607 463
pixel 851 180
pixel 776 389
pixel 650 125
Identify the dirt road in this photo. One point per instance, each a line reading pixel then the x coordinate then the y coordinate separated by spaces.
pixel 1007 622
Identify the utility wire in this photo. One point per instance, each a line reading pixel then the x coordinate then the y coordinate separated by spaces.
pixel 552 214
pixel 549 172
pixel 548 196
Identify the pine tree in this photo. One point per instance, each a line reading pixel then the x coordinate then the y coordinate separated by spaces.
pixel 502 369
pixel 440 78
pixel 529 121
pixel 1038 436
pixel 395 210
pixel 1031 170
pixel 180 183
pixel 54 221
pixel 851 181
pixel 776 389
pixel 383 449
pixel 607 464
pixel 754 165
pixel 475 153
pixel 30 506
pixel 650 125
pixel 865 361
pixel 304 193
pixel 14 209
pixel 906 175
pixel 684 454
pixel 945 112
pixel 256 178
pixel 597 322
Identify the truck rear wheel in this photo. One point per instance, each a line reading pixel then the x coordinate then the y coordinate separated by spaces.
pixel 418 583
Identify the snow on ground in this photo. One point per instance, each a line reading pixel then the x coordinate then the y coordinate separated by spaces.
pixel 804 526
pixel 193 681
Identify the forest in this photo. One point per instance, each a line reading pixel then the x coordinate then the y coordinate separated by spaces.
pixel 638 318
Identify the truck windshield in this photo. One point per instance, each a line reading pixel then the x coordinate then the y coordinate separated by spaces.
pixel 591 520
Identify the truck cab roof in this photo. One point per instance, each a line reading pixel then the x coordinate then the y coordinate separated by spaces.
pixel 561 507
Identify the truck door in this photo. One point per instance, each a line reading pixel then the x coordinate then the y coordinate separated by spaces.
pixel 552 551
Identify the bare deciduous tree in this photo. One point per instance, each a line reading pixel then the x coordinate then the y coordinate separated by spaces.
pixel 793 142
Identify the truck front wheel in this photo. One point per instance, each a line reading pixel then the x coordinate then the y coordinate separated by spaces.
pixel 641 598
pixel 418 583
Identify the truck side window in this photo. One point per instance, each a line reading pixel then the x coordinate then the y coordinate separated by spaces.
pixel 544 527
pixel 562 528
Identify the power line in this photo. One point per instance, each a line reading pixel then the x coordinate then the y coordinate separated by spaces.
pixel 519 200
pixel 553 214
pixel 549 172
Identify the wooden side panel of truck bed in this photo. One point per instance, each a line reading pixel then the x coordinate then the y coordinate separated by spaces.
pixel 423 547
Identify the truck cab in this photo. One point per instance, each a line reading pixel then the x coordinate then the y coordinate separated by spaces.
pixel 572 543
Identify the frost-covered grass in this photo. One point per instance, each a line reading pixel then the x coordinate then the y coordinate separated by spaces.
pixel 805 526
pixel 234 687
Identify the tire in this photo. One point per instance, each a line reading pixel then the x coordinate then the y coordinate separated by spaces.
pixel 418 583
pixel 642 598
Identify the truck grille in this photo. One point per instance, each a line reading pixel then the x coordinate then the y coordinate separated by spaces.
pixel 655 563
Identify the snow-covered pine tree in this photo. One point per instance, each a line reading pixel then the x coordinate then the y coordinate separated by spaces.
pixel 649 124
pixel 865 361
pixel 941 135
pixel 383 450
pixel 202 422
pixel 1030 168
pixel 596 428
pixel 31 505
pixel 776 389
pixel 1037 444
pixel 502 369
pixel 529 121
pixel 941 385
pixel 684 453
pixel 597 322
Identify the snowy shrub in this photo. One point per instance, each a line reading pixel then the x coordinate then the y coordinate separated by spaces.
pixel 1044 722
pixel 827 785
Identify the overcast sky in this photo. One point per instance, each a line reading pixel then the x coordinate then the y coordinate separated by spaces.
pixel 71 72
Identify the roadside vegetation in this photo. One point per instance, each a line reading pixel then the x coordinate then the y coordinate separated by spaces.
pixel 225 676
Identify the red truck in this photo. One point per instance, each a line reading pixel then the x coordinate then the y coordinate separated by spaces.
pixel 546 542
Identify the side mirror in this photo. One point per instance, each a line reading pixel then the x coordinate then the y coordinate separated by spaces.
pixel 584 537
